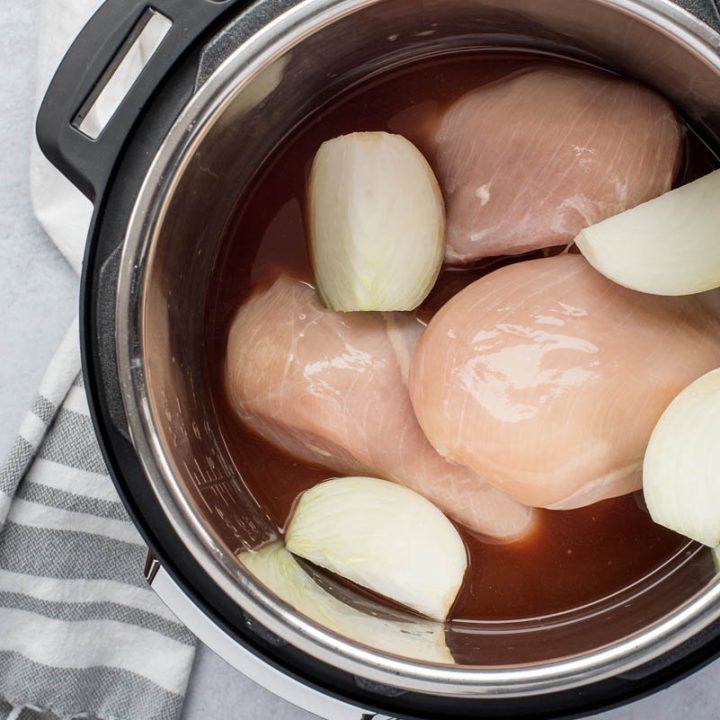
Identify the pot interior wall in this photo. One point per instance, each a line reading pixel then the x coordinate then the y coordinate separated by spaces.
pixel 234 144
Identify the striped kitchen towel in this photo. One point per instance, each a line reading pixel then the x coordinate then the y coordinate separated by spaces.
pixel 81 634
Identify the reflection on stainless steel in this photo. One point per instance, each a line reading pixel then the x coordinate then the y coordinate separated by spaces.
pixel 360 619
pixel 291 689
pixel 210 155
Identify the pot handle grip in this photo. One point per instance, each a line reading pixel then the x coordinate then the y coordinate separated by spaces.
pixel 87 69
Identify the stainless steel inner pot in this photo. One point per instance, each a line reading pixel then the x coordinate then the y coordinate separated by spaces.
pixel 293 63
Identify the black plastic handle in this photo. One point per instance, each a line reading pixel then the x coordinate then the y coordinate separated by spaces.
pixel 97 50
pixel 88 162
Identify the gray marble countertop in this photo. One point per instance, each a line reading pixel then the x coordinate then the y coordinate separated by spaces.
pixel 38 297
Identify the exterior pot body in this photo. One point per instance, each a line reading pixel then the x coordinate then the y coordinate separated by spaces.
pixel 229 75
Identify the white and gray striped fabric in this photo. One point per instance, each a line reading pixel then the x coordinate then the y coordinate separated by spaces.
pixel 81 634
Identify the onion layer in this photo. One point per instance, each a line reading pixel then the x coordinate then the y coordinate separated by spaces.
pixel 681 473
pixel 376 222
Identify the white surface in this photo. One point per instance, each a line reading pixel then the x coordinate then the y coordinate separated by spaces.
pixel 37 303
pixel 37 287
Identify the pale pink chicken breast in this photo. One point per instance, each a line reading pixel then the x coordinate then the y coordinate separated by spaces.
pixel 529 161
pixel 331 388
pixel 547 379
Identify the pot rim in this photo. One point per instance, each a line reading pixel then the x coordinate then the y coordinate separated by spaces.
pixel 191 126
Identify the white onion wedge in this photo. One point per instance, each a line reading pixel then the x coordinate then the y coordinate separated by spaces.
pixel 667 246
pixel 384 537
pixel 681 472
pixel 280 572
pixel 376 223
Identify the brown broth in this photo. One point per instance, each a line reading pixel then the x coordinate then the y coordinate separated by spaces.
pixel 573 557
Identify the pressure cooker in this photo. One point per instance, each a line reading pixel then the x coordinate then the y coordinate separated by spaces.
pixel 226 81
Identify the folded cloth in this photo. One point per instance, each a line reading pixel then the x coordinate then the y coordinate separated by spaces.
pixel 81 634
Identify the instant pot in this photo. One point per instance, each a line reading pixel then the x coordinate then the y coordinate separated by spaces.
pixel 225 84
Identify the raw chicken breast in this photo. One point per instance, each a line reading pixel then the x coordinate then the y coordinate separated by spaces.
pixel 529 161
pixel 331 388
pixel 547 379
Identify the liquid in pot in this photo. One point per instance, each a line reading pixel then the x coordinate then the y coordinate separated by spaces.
pixel 571 558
